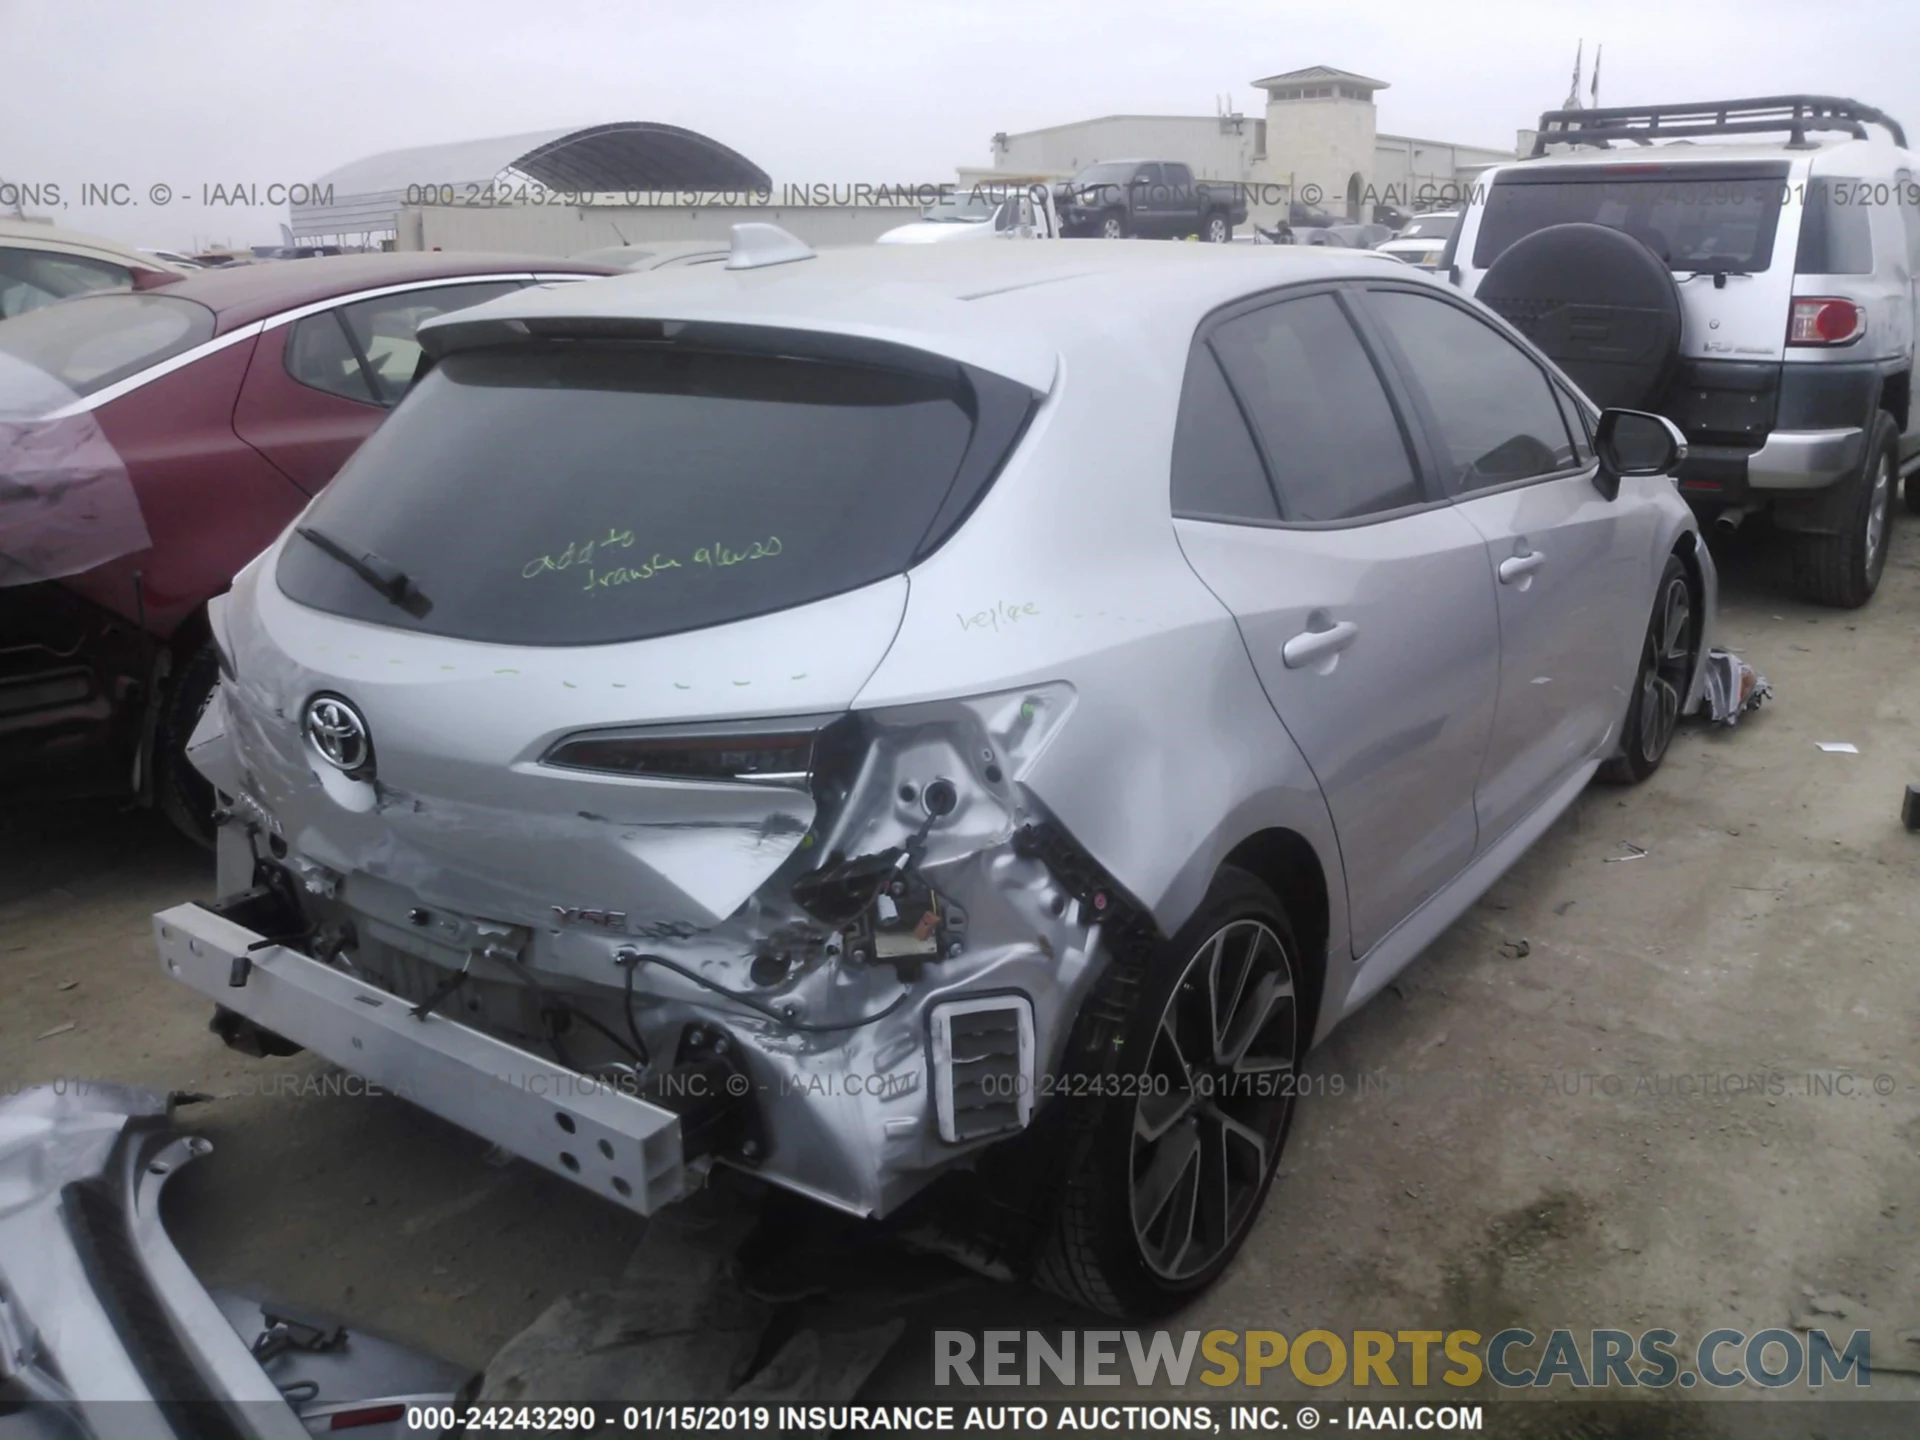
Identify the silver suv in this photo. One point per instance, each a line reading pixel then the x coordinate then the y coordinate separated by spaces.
pixel 1760 295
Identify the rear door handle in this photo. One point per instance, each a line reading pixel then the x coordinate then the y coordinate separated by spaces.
pixel 1518 567
pixel 1311 645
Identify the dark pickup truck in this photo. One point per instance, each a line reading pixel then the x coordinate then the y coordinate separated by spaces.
pixel 1156 199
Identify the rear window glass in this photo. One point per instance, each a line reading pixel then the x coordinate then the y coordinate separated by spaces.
pixel 1694 217
pixel 582 493
pixel 93 341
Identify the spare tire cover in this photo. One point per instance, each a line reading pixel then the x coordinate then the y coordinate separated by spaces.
pixel 1601 304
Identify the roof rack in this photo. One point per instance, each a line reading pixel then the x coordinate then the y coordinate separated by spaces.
pixel 1643 124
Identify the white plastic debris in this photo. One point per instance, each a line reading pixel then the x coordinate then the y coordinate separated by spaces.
pixel 1733 687
pixel 1837 747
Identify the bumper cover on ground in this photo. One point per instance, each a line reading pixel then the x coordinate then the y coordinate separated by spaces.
pixel 103 1328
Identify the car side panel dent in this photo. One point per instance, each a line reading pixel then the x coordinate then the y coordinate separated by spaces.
pixel 1172 756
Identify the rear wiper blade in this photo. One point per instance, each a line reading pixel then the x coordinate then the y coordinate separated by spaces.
pixel 382 574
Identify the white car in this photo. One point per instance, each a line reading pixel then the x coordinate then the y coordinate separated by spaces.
pixel 1422 240
pixel 40 264
pixel 916 710
pixel 986 212
pixel 658 254
pixel 175 259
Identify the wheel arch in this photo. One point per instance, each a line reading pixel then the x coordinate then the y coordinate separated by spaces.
pixel 1896 398
pixel 1692 550
pixel 1285 862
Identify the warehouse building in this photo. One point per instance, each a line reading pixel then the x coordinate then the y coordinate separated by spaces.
pixel 486 192
pixel 1317 140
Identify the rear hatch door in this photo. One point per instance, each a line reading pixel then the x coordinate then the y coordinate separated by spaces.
pixel 594 602
pixel 1726 228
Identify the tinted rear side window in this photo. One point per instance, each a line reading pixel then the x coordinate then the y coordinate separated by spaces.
pixel 1694 217
pixel 93 341
pixel 1217 473
pixel 1329 435
pixel 1495 410
pixel 577 493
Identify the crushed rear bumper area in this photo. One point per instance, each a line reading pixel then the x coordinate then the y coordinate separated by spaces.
pixel 582 1128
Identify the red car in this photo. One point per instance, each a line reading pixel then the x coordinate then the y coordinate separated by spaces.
pixel 153 442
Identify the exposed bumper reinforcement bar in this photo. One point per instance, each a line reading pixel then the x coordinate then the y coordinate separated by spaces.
pixel 581 1128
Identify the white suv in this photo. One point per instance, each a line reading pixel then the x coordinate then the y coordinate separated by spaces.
pixel 1760 295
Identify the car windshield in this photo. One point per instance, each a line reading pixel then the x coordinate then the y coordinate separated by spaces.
pixel 93 341
pixel 969 207
pixel 1706 216
pixel 1104 175
pixel 1428 227
pixel 592 492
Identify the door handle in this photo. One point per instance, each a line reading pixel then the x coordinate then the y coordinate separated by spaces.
pixel 1518 567
pixel 1311 645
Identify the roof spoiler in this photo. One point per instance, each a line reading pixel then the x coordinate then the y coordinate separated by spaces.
pixel 1766 115
pixel 154 279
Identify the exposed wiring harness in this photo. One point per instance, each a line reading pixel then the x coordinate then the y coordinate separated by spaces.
pixel 631 960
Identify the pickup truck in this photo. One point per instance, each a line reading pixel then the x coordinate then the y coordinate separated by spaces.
pixel 1151 198
pixel 1000 211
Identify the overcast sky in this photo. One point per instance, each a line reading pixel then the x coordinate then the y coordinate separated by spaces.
pixel 843 90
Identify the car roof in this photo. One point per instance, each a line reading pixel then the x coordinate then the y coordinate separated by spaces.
pixel 647 254
pixel 241 294
pixel 1005 308
pixel 33 235
pixel 1713 152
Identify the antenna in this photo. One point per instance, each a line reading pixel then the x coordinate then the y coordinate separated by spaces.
pixel 757 244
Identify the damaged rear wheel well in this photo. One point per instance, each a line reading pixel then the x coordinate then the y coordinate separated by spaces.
pixel 1286 863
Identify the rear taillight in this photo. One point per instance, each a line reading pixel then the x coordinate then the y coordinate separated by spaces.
pixel 1823 320
pixel 781 753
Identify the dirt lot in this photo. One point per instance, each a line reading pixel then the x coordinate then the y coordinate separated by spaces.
pixel 1536 1143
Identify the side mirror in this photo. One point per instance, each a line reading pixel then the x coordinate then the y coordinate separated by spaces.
pixel 1635 443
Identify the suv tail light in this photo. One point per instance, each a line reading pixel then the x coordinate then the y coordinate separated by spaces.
pixel 1824 320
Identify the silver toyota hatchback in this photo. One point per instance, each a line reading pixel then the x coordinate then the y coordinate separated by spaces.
pixel 901 711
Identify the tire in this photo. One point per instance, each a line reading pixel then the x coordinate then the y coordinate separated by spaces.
pixel 1844 569
pixel 1667 656
pixel 1599 302
pixel 182 792
pixel 1217 231
pixel 1113 226
pixel 1175 1173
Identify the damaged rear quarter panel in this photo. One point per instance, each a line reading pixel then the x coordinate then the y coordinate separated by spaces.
pixel 1070 570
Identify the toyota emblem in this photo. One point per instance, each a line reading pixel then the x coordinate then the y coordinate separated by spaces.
pixel 337 731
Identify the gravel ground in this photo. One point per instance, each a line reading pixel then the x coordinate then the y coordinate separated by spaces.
pixel 1527 1147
